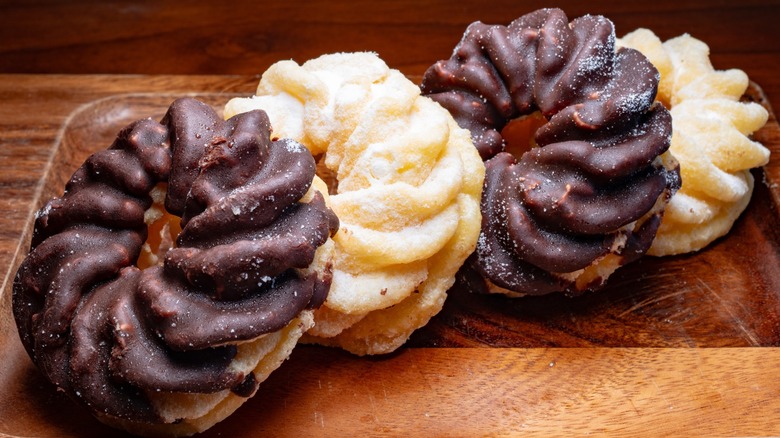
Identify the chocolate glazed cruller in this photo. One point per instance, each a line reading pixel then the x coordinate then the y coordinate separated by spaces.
pixel 589 198
pixel 122 340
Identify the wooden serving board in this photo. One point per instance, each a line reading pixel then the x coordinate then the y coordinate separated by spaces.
pixel 672 346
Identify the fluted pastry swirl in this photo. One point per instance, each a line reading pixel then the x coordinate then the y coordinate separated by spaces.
pixel 596 184
pixel 711 140
pixel 114 336
pixel 408 182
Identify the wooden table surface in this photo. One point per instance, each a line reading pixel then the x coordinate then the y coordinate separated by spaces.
pixel 676 346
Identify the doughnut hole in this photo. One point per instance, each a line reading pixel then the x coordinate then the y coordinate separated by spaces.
pixel 519 133
pixel 327 175
pixel 162 230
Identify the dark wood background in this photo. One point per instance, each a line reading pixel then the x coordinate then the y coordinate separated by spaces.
pixel 244 37
pixel 687 345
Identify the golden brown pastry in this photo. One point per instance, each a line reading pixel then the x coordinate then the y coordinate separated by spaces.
pixel 586 195
pixel 176 347
pixel 405 181
pixel 711 129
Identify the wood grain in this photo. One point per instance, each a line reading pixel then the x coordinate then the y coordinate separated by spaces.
pixel 244 38
pixel 686 345
pixel 510 373
pixel 667 302
pixel 470 392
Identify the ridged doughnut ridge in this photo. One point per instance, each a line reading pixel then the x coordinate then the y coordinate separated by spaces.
pixel 563 206
pixel 112 336
pixel 407 197
pixel 711 141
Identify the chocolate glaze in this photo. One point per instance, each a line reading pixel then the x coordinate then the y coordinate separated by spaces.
pixel 108 333
pixel 561 206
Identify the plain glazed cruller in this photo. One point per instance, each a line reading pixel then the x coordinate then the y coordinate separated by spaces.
pixel 405 182
pixel 176 347
pixel 710 140
pixel 564 215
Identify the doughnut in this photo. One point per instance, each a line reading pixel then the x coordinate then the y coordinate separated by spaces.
pixel 584 191
pixel 175 347
pixel 711 129
pixel 405 182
